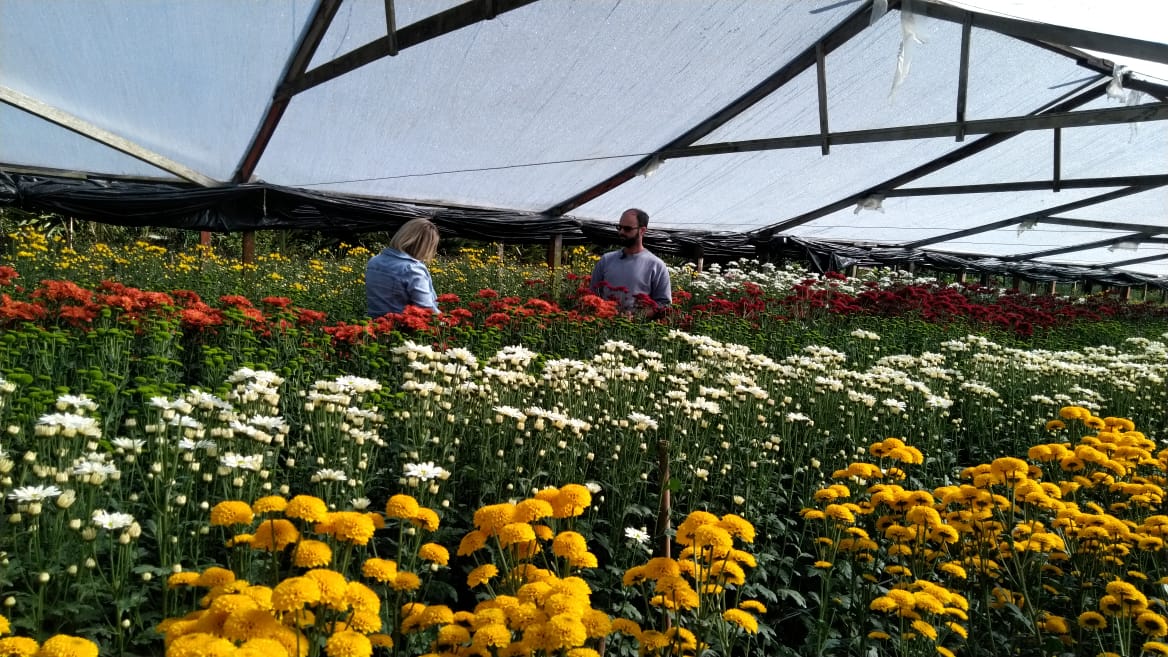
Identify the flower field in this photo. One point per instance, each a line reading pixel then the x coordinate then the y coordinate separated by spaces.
pixel 202 458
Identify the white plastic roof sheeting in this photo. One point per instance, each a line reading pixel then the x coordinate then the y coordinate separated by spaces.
pixel 534 109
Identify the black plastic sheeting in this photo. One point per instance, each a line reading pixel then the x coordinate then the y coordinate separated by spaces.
pixel 260 206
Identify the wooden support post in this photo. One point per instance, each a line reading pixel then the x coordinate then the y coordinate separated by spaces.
pixel 1126 294
pixel 1016 282
pixel 853 271
pixel 1052 289
pixel 961 276
pixel 701 258
pixel 205 238
pixel 664 508
pixel 555 249
pixel 1088 287
pixel 986 279
pixel 249 247
pixel 499 252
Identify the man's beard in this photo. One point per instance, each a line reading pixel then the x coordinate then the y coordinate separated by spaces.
pixel 626 241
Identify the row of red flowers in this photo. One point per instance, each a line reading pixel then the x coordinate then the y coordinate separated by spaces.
pixel 68 303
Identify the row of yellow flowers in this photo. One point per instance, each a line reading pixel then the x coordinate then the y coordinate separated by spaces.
pixel 529 563
pixel 1071 543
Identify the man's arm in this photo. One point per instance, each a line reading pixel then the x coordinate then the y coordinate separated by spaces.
pixel 662 290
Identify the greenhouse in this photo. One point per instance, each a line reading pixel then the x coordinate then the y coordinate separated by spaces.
pixel 905 394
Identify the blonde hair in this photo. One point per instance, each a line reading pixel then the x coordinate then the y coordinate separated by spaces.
pixel 417 237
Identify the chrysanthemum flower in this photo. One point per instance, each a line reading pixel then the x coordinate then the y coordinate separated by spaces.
pixel 214 576
pixel 185 578
pixel 742 619
pixel 18 646
pixel 231 512
pixel 249 624
pixel 261 647
pixel 307 508
pixel 482 574
pixel 382 570
pixel 348 643
pixel 350 526
pixel 312 554
pixel 1152 624
pixel 473 541
pixel 434 553
pixel 493 517
pixel 451 637
pixel 406 581
pixel 401 506
pixel 492 635
pixel 1092 620
pixel 333 587
pixel 295 593
pixel 1157 648
pixel 571 501
pixel 275 535
pixel 531 510
pixel 64 645
pixel 515 532
pixel 362 598
pixel 365 622
pixel 738 527
pixel 426 519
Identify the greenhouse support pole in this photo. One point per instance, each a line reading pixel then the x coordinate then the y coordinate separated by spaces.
pixel 248 247
pixel 555 249
pixel 664 508
pixel 961 276
pixel 1126 296
pixel 205 238
pixel 700 263
pixel 1052 289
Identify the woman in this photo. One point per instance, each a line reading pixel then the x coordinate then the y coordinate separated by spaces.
pixel 398 277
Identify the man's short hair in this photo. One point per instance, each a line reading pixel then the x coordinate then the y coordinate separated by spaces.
pixel 642 216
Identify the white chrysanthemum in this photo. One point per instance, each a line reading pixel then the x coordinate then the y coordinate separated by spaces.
pixel 269 423
pixel 235 461
pixel 76 402
pixel 87 468
pixel 640 536
pixel 642 422
pixel 865 335
pixel 799 417
pixel 26 494
pixel 191 445
pixel 207 400
pixel 894 405
pixel 357 384
pixel 425 471
pixel 129 444
pixel 934 401
pixel 511 412
pixel 111 519
pixel 69 425
pixel 593 487
pixel 329 474
pixel 360 503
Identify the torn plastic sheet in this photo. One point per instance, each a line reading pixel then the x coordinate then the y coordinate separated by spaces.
pixel 908 37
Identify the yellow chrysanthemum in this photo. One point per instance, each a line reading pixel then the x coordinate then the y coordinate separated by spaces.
pixel 426 519
pixel 1092 620
pixel 275 535
pixel 382 570
pixel 451 637
pixel 401 506
pixel 742 619
pixel 5 626
pixel 231 512
pixel 492 635
pixel 434 553
pixel 261 647
pixel 348 644
pixel 312 554
pixel 1157 648
pixel 333 587
pixel 362 598
pixel 249 624
pixel 493 517
pixel 185 578
pixel 571 501
pixel 269 504
pixel 64 645
pixel 18 646
pixel 515 532
pixel 532 510
pixel 295 593
pixel 739 527
pixel 307 508
pixel 1152 624
pixel 406 581
pixel 214 576
pixel 350 527
pixel 473 541
pixel 482 574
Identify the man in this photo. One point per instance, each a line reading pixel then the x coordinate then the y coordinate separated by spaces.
pixel 633 275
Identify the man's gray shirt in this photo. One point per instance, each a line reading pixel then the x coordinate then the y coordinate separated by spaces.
pixel 622 277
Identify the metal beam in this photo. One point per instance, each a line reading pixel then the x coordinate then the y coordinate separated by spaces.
pixel 437 25
pixel 309 42
pixel 840 34
pixel 102 136
pixel 1134 237
pixel 1072 99
pixel 1133 261
pixel 1027 186
pixel 1013 124
pixel 1067 36
pixel 1030 216
pixel 963 77
pixel 1105 225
